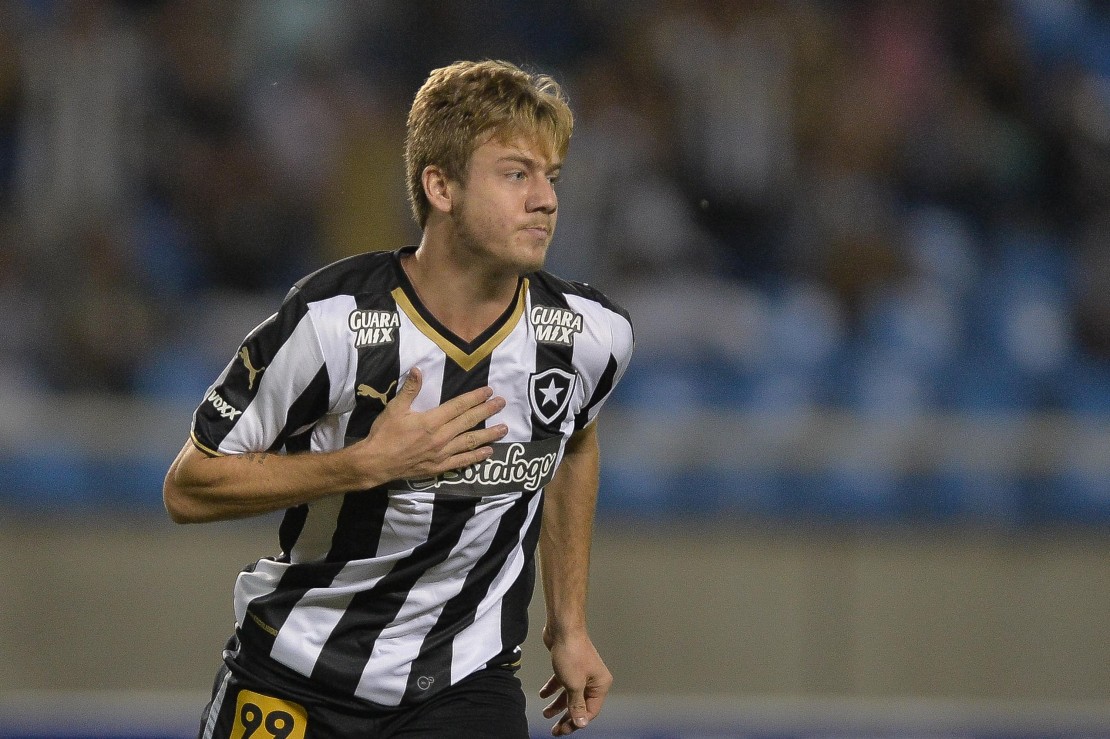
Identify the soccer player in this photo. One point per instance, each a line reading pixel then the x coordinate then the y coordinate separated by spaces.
pixel 425 418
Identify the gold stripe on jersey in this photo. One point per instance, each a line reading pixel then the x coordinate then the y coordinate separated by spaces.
pixel 202 447
pixel 466 361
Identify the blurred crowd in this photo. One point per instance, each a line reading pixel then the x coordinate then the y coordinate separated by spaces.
pixel 891 205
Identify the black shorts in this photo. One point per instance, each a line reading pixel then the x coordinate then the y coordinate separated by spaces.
pixel 489 704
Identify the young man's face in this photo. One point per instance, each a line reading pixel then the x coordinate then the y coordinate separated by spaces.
pixel 506 204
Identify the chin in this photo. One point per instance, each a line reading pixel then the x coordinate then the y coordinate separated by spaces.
pixel 530 259
pixel 535 264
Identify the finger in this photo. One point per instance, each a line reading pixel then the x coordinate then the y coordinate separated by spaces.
pixel 460 404
pixel 474 439
pixel 474 416
pixel 564 727
pixel 593 705
pixel 460 461
pixel 550 686
pixel 409 390
pixel 576 708
pixel 556 706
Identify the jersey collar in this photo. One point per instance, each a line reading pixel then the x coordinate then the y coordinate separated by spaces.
pixel 466 354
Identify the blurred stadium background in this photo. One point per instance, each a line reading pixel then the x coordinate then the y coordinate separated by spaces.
pixel 857 479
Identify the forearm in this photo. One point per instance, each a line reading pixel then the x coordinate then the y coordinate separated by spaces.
pixel 566 534
pixel 199 488
pixel 402 444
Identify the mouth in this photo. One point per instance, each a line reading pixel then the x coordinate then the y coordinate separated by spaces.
pixel 541 231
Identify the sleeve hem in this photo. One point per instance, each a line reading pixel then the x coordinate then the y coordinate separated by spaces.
pixel 204 449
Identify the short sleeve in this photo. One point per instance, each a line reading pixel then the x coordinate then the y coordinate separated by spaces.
pixel 276 384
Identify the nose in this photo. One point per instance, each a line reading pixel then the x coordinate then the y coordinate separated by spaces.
pixel 542 197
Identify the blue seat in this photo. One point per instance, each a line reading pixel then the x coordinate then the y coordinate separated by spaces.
pixel 1072 497
pixel 987 383
pixel 629 491
pixel 972 497
pixel 176 373
pixel 1083 388
pixel 661 383
pixel 131 483
pixel 54 478
pixel 847 495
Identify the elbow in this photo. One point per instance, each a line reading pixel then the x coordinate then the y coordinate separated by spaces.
pixel 176 513
pixel 176 507
pixel 179 505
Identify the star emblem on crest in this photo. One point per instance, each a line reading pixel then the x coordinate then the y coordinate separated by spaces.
pixel 551 393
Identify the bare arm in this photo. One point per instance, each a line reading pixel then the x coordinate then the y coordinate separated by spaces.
pixel 565 537
pixel 402 443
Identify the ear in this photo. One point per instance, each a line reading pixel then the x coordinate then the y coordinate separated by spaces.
pixel 437 188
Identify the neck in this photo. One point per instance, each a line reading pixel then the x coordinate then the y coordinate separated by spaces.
pixel 464 296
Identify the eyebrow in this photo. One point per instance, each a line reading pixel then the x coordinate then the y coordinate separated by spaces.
pixel 529 161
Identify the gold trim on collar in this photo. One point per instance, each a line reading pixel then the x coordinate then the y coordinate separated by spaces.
pixel 466 361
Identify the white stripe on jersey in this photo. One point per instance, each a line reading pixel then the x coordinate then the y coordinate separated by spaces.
pixel 505 376
pixel 302 637
pixel 214 709
pixel 408 519
pixel 258 582
pixel 472 645
pixel 286 377
pixel 329 319
pixel 414 348
pixel 315 539
pixel 616 342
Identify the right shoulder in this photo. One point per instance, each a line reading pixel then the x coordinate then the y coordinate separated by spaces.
pixel 358 276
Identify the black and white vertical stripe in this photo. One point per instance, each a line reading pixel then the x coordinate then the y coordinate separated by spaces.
pixel 390 595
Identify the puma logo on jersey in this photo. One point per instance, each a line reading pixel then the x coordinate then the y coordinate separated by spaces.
pixel 252 371
pixel 368 392
pixel 373 327
pixel 555 325
pixel 225 409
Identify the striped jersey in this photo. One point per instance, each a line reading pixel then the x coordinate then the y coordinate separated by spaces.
pixel 391 594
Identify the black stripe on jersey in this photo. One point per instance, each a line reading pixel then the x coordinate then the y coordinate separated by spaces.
pixel 435 651
pixel 434 660
pixel 379 367
pixel 604 385
pixel 457 381
pixel 292 524
pixel 350 643
pixel 514 606
pixel 550 356
pixel 303 412
pixel 358 527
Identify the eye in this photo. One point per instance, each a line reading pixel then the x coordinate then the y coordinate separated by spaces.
pixel 553 179
pixel 517 174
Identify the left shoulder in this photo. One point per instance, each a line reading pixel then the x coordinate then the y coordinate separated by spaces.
pixel 546 285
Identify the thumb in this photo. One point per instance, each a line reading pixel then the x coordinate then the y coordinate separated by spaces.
pixel 576 707
pixel 410 389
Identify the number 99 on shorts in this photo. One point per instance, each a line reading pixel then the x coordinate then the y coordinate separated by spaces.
pixel 262 717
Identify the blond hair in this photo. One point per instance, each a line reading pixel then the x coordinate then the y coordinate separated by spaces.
pixel 462 102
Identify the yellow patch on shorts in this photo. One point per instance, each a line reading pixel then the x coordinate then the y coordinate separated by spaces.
pixel 259 716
